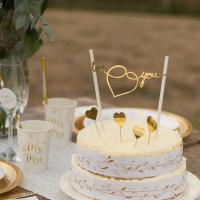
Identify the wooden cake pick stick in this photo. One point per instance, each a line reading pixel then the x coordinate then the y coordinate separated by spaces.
pixel 162 90
pixel 44 81
pixel 96 86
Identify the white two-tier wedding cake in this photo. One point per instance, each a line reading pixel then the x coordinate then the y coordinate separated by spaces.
pixel 106 167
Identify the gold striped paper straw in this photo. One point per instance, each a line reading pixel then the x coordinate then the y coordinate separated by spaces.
pixel 18 120
pixel 44 80
pixel 1 82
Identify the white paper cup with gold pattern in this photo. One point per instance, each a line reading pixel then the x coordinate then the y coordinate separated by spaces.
pixel 34 138
pixel 60 112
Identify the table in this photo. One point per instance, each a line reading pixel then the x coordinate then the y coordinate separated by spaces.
pixel 191 143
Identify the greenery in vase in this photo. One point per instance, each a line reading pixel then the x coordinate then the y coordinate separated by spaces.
pixel 21 27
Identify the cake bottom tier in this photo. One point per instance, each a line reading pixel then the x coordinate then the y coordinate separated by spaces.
pixel 166 187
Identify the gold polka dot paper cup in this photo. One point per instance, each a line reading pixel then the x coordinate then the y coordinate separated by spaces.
pixel 34 138
pixel 60 112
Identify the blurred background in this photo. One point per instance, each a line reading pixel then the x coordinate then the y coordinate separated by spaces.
pixel 134 33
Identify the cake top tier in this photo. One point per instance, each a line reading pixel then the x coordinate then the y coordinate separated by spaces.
pixel 109 140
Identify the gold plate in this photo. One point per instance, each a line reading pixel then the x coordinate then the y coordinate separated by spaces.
pixel 13 177
pixel 185 126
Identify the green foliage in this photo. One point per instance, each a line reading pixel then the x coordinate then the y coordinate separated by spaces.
pixel 32 42
pixel 21 27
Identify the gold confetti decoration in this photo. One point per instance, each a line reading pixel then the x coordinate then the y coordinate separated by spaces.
pixel 120 119
pixel 152 126
pixel 44 80
pixel 92 114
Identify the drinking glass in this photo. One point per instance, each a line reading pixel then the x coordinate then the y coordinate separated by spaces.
pixel 13 76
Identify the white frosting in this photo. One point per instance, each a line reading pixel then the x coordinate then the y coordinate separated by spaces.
pixel 128 166
pixel 163 187
pixel 109 142
pixel 107 156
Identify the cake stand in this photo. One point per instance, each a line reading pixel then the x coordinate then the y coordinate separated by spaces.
pixel 192 192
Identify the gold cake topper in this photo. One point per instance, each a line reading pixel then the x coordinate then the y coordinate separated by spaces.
pixel 138 132
pixel 152 126
pixel 120 119
pixel 138 80
pixel 92 114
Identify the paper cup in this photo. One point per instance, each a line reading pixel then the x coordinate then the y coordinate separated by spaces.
pixel 60 112
pixel 34 140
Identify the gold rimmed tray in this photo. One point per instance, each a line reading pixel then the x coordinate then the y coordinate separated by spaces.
pixel 13 177
pixel 185 127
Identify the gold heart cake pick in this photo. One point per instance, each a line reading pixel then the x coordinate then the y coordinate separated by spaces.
pixel 92 114
pixel 138 132
pixel 152 126
pixel 120 119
